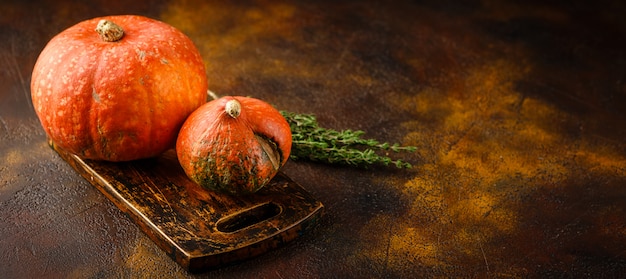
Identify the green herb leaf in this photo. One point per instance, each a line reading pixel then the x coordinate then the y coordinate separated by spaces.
pixel 347 147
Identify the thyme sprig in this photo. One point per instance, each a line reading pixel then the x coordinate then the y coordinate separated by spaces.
pixel 347 147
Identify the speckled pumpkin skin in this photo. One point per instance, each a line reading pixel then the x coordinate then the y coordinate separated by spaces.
pixel 225 154
pixel 117 101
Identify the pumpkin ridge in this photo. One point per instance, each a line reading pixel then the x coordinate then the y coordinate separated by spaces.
pixel 101 109
pixel 97 147
pixel 269 124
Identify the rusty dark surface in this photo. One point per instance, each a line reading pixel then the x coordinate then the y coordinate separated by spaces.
pixel 517 108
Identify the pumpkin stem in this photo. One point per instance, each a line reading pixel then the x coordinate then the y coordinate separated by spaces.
pixel 109 31
pixel 233 108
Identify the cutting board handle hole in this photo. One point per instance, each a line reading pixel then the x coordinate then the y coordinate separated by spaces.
pixel 248 217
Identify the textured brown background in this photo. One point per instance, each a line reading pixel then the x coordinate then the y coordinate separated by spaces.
pixel 517 109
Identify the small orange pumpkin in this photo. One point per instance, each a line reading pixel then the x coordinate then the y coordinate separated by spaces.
pixel 117 88
pixel 234 145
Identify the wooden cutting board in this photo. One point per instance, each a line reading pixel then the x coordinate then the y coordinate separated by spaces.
pixel 198 228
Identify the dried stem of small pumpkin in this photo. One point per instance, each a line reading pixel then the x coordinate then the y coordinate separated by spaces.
pixel 233 108
pixel 314 143
pixel 109 31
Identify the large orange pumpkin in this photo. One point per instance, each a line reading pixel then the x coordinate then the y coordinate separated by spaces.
pixel 120 92
pixel 234 145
